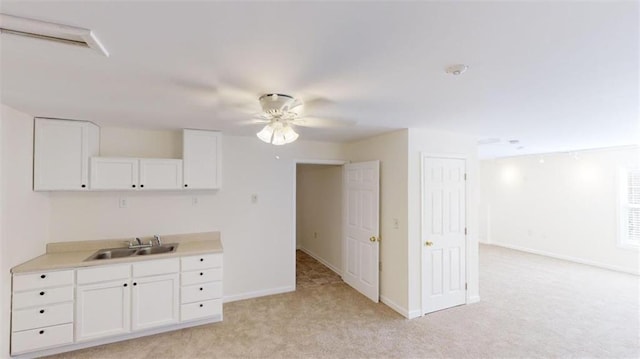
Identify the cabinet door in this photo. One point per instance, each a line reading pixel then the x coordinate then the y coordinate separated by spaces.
pixel 160 174
pixel 114 173
pixel 103 310
pixel 201 159
pixel 61 153
pixel 154 301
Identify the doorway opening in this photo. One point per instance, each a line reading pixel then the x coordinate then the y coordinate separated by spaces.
pixel 318 223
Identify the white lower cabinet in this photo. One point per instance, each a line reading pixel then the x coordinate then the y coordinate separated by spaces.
pixel 201 291
pixel 103 309
pixel 112 301
pixel 155 300
pixel 41 311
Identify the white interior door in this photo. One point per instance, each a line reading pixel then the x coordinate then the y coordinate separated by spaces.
pixel 444 233
pixel 361 245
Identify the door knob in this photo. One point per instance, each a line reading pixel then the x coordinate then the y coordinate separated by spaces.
pixel 428 244
pixel 372 239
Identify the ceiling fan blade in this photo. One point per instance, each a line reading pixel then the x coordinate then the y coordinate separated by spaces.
pixel 322 122
pixel 238 99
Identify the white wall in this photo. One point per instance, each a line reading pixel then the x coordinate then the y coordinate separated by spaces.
pixel 258 238
pixel 319 213
pixel 24 223
pixel 391 150
pixel 440 143
pixel 564 207
pixel 132 142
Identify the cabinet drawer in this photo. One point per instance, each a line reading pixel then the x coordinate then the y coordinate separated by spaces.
pixel 155 267
pixel 30 340
pixel 200 310
pixel 42 280
pixel 103 274
pixel 44 316
pixel 201 276
pixel 42 297
pixel 200 292
pixel 202 262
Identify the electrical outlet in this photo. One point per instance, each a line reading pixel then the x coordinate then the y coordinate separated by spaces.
pixel 254 198
pixel 194 201
pixel 315 234
pixel 123 202
pixel 396 223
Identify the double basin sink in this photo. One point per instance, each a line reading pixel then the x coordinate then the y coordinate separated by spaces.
pixel 111 253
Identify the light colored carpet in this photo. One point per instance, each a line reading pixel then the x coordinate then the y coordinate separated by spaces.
pixel 311 273
pixel 532 307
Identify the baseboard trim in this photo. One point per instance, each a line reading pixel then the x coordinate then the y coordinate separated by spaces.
pixel 473 299
pixel 319 259
pixel 567 258
pixel 257 293
pixel 393 305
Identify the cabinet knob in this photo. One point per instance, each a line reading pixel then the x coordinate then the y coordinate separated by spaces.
pixel 186 185
pixel 200 288
pixel 41 293
pixel 201 305
pixel 134 186
pixel 125 284
pixel 43 276
pixel 201 259
pixel 134 283
pixel 41 311
pixel 201 273
pixel 41 332
pixel 141 185
pixel 83 186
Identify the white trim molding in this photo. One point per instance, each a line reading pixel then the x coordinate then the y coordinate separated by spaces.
pixel 258 293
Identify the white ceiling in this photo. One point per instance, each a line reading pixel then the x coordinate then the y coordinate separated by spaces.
pixel 557 76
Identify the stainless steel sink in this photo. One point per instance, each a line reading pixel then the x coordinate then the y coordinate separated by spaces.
pixel 111 253
pixel 165 248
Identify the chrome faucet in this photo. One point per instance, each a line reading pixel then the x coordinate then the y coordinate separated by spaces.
pixel 157 238
pixel 137 243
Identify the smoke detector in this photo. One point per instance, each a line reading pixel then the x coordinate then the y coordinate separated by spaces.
pixel 42 30
pixel 457 69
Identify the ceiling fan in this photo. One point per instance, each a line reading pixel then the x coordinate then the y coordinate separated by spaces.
pixel 280 112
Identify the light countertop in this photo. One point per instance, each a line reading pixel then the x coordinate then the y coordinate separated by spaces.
pixel 66 255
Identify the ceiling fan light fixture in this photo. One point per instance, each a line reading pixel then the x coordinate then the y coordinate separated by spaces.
pixel 266 134
pixel 277 134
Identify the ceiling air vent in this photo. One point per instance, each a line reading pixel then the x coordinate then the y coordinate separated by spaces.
pixel 71 35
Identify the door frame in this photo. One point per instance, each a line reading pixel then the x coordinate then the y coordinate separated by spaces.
pixel 448 156
pixel 296 162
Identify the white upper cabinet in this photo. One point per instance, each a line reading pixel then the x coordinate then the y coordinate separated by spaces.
pixel 201 159
pixel 61 154
pixel 114 173
pixel 122 173
pixel 160 173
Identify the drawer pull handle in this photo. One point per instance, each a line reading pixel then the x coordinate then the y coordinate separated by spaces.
pixel 41 332
pixel 125 284
pixel 200 288
pixel 134 283
pixel 201 259
pixel 41 293
pixel 41 311
pixel 43 276
pixel 201 273
pixel 201 305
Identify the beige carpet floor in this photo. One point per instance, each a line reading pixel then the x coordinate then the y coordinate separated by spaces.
pixel 311 273
pixel 532 307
